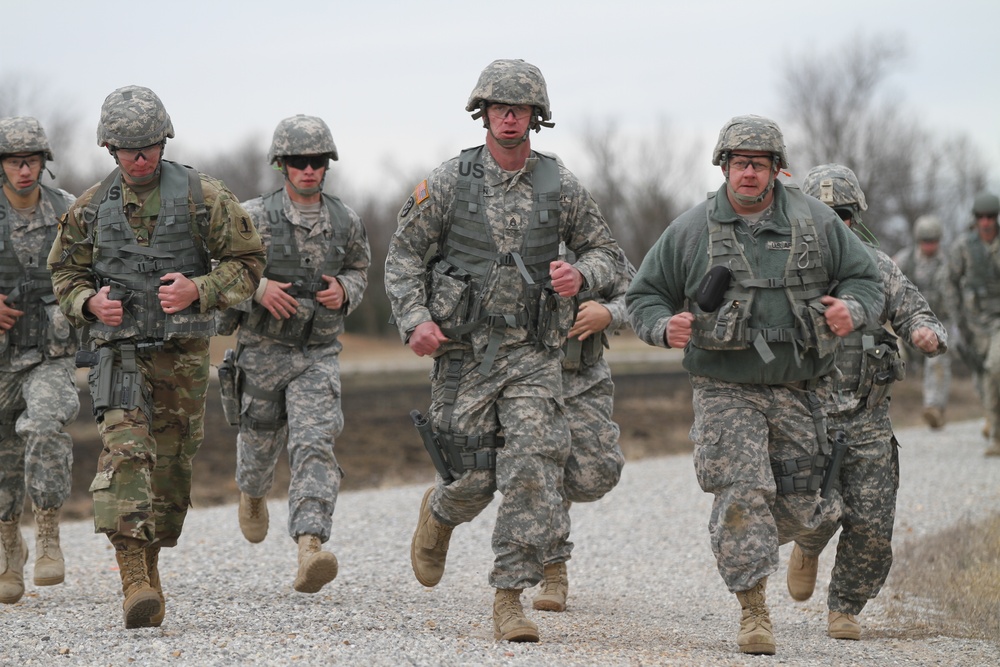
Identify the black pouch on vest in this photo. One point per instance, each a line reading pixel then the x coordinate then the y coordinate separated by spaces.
pixel 713 287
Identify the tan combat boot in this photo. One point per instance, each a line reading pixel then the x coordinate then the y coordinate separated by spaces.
pixel 153 572
pixel 142 602
pixel 934 416
pixel 317 568
pixel 755 634
pixel 801 574
pixel 13 555
pixel 49 566
pixel 509 622
pixel 555 589
pixel 253 518
pixel 429 546
pixel 843 626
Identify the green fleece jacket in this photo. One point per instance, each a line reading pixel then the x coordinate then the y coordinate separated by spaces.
pixel 672 270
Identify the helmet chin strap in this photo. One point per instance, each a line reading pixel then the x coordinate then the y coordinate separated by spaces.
pixel 305 192
pixel 747 200
pixel 23 192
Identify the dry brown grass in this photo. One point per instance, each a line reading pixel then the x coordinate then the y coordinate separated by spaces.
pixel 949 583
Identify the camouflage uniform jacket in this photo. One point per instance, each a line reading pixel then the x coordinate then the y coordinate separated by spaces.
pixel 905 310
pixel 973 286
pixel 27 238
pixel 314 245
pixel 673 269
pixel 424 219
pixel 929 274
pixel 231 240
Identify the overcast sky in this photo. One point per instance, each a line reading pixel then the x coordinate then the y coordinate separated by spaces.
pixel 392 77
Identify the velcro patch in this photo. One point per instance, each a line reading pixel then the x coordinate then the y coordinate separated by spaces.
pixel 779 245
pixel 244 228
pixel 421 194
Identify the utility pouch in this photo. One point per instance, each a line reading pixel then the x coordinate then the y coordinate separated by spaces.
pixel 729 324
pixel 229 388
pixel 713 288
pixel 449 296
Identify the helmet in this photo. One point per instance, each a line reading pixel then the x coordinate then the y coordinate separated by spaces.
pixel 927 228
pixel 750 133
pixel 986 203
pixel 301 135
pixel 512 82
pixel 23 134
pixel 133 117
pixel 835 185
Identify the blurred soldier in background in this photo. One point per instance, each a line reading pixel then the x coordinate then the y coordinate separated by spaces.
pixel 288 354
pixel 858 405
pixel 757 285
pixel 133 263
pixel 595 460
pixel 973 285
pixel 493 308
pixel 38 394
pixel 926 266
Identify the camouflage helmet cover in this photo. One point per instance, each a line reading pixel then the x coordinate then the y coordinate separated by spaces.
pixel 133 117
pixel 834 185
pixel 986 203
pixel 927 228
pixel 511 82
pixel 750 133
pixel 301 135
pixel 23 134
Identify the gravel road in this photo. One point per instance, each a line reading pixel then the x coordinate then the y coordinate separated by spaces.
pixel 643 586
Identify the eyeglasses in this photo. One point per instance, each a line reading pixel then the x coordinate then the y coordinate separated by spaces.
pixel 740 163
pixel 300 162
pixel 985 215
pixel 18 162
pixel 500 111
pixel 844 213
pixel 149 153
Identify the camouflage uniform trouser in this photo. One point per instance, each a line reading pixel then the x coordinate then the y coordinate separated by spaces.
pixel 142 489
pixel 595 459
pixel 738 430
pixel 521 397
pixel 937 381
pixel 36 453
pixel 311 384
pixel 869 479
pixel 990 380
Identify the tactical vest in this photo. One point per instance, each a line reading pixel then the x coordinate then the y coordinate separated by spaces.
pixel 313 323
pixel 983 277
pixel 28 289
pixel 466 264
pixel 805 280
pixel 133 271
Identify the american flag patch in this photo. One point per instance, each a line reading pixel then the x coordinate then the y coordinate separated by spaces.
pixel 421 192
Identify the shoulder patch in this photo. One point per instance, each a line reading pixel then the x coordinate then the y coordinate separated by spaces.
pixel 244 228
pixel 421 193
pixel 406 207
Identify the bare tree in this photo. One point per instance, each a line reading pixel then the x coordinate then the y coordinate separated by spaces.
pixel 843 110
pixel 640 185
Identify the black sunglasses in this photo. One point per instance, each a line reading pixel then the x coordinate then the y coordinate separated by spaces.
pixel 303 161
pixel 845 214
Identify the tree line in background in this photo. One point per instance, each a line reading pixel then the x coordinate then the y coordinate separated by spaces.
pixel 838 105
